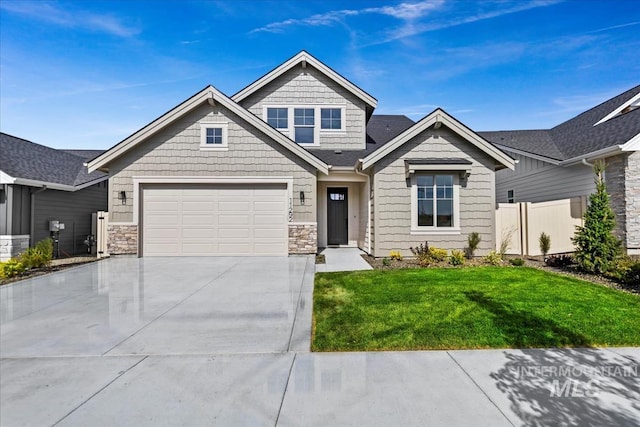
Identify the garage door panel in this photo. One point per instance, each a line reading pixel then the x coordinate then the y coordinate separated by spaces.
pixel 215 220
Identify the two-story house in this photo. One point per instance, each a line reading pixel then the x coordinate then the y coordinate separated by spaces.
pixel 295 161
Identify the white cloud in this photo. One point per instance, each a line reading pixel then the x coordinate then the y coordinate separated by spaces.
pixel 403 11
pixel 48 12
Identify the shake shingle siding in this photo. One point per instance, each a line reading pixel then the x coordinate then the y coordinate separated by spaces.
pixel 175 151
pixel 307 86
pixel 392 194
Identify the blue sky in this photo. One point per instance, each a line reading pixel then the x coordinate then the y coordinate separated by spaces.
pixel 86 74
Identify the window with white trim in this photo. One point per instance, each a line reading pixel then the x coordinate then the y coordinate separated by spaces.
pixel 331 118
pixel 304 125
pixel 213 136
pixel 278 117
pixel 435 202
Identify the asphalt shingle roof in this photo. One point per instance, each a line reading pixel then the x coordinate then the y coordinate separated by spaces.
pixel 24 159
pixel 577 136
pixel 380 130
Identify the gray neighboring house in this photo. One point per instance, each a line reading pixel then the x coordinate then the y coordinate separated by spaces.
pixel 293 162
pixel 39 184
pixel 556 163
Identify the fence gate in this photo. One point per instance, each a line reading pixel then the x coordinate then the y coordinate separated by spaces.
pixel 101 234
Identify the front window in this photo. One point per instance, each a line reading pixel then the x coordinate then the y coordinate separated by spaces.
pixel 278 117
pixel 213 136
pixel 435 201
pixel 304 123
pixel 331 118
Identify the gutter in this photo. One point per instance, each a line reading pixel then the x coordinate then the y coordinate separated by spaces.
pixel 605 152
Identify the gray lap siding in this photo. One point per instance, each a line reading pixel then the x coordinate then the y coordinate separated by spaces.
pixel 392 196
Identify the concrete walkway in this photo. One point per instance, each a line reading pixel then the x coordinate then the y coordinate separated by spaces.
pixel 342 259
pixel 226 342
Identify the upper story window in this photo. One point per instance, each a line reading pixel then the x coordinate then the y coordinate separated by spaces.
pixel 331 118
pixel 305 124
pixel 213 136
pixel 510 196
pixel 278 117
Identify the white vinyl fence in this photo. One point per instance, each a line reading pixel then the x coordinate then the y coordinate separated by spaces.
pixel 522 223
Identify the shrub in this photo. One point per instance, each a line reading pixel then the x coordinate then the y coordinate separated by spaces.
pixel 505 243
pixel 493 258
pixel 560 261
pixel 38 256
pixel 437 254
pixel 386 262
pixel 517 262
pixel 420 250
pixel 456 257
pixel 12 268
pixel 473 240
pixel 596 246
pixel 545 243
pixel 395 255
pixel 632 274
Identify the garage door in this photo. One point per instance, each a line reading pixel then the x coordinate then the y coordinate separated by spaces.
pixel 214 220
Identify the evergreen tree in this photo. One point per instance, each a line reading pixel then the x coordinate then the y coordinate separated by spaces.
pixel 596 246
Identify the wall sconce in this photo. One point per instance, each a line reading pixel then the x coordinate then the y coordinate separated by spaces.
pixel 302 197
pixel 122 195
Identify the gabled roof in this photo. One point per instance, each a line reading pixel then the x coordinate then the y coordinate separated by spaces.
pixel 380 130
pixel 306 59
pixel 27 163
pixel 208 94
pixel 605 127
pixel 442 118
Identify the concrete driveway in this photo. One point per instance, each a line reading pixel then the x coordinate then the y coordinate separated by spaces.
pixel 224 341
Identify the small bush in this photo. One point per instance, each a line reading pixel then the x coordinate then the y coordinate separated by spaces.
pixel 559 261
pixel 437 254
pixel 473 240
pixel 386 262
pixel 38 256
pixel 517 262
pixel 12 268
pixel 395 255
pixel 45 247
pixel 632 275
pixel 545 243
pixel 456 257
pixel 420 250
pixel 493 258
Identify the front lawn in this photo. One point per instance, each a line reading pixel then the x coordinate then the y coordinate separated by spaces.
pixel 476 307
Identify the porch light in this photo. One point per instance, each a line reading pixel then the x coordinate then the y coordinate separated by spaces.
pixel 302 197
pixel 122 195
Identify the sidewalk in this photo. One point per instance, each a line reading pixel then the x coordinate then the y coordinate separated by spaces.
pixel 342 259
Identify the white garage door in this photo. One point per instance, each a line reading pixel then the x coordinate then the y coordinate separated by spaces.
pixel 214 220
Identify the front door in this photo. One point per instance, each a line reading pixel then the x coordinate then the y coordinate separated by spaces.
pixel 337 216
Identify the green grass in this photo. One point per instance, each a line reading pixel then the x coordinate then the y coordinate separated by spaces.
pixel 476 307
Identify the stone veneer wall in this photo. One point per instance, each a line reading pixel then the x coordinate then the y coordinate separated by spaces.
pixel 123 239
pixel 632 199
pixel 614 178
pixel 11 246
pixel 303 238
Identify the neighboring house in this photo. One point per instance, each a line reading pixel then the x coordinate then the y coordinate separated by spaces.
pixel 557 163
pixel 39 184
pixel 293 162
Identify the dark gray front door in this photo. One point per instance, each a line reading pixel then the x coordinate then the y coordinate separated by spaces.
pixel 337 216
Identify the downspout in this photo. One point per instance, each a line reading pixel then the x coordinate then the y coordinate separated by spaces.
pixel 32 225
pixel 584 162
pixel 357 172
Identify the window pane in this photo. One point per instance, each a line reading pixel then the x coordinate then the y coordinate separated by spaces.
pixel 303 117
pixel 444 180
pixel 277 117
pixel 330 118
pixel 425 213
pixel 304 135
pixel 425 180
pixel 214 136
pixel 445 213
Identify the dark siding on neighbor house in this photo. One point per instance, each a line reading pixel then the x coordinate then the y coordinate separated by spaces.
pixel 71 209
pixel 15 210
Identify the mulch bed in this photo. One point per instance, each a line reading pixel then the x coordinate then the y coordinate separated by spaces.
pixel 572 271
